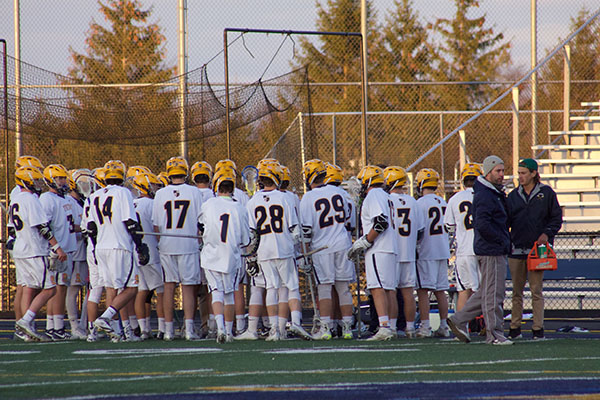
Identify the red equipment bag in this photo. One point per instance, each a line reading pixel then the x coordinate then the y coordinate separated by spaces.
pixel 546 262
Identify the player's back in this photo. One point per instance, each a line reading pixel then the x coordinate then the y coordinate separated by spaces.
pixel 459 214
pixel 176 210
pixel 376 203
pixel 206 193
pixel 225 232
pixel 324 210
pixel 407 222
pixel 110 208
pixel 25 213
pixel 60 213
pixel 434 245
pixel 271 215
pixel 143 211
pixel 240 196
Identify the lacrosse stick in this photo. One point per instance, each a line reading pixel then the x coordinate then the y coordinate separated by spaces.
pixel 250 179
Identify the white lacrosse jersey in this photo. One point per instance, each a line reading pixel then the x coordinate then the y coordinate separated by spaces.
pixel 143 211
pixel 77 210
pixel 350 208
pixel 60 213
pixel 16 190
pixel 377 202
pixel 459 214
pixel 225 232
pixel 273 217
pixel 293 199
pixel 434 245
pixel 25 213
pixel 206 193
pixel 323 209
pixel 241 196
pixel 175 210
pixel 110 207
pixel 407 222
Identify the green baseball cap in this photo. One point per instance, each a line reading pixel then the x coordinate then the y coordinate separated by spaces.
pixel 529 163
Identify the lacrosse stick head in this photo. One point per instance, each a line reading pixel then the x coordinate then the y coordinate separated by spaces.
pixel 250 179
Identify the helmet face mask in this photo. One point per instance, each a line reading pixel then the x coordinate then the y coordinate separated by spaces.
pixel 84 181
pixel 30 178
pixel 145 184
pixel 369 176
pixel 395 177
pixel 56 178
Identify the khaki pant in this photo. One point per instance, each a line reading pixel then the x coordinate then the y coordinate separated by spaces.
pixel 519 275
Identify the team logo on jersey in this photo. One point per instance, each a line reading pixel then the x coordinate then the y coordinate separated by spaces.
pixel 266 198
pixel 176 193
pixel 540 196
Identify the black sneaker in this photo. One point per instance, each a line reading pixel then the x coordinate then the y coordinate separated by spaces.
pixel 60 334
pixel 538 334
pixel 49 333
pixel 515 333
pixel 137 331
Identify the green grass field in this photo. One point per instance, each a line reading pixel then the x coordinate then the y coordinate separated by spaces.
pixel 47 370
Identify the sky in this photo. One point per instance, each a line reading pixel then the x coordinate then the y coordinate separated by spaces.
pixel 48 32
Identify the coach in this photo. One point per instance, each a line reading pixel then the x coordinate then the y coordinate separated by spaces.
pixel 534 217
pixel 491 246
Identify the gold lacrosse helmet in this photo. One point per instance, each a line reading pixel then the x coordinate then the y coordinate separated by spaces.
pixel 177 166
pixel 225 163
pixel 146 183
pixel 471 169
pixel 334 174
pixel 312 169
pixel 272 171
pixel 427 178
pixel 163 179
pixel 201 168
pixel 99 174
pixel 370 175
pixel 114 169
pixel 224 174
pixel 30 177
pixel 137 170
pixel 394 177
pixel 32 161
pixel 53 172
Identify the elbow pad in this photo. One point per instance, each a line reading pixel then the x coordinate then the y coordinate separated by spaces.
pixel 133 227
pixel 201 228
pixel 45 231
pixel 380 223
pixel 12 232
pixel 92 229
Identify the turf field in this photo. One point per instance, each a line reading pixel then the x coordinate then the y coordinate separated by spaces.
pixel 423 368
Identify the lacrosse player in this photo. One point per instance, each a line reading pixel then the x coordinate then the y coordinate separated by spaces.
pixel 60 213
pixel 433 253
pixel 273 219
pixel 409 225
pixel 30 227
pixel 323 215
pixel 459 223
pixel 176 209
pixel 379 242
pixel 113 225
pixel 224 226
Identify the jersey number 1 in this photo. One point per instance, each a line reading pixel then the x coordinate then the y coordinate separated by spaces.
pixel 178 204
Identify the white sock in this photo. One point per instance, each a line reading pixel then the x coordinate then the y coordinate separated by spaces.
pixel 296 317
pixel 240 322
pixel 282 324
pixel 161 325
pixel 59 322
pixel 143 326
pixel 116 326
pixel 266 322
pixel 274 321
pixel 252 324
pixel 49 322
pixel 410 325
pixel 220 319
pixel 348 319
pixel 169 327
pixel 326 321
pixel 229 327
pixel 189 325
pixel 384 321
pixel 126 324
pixel 29 316
pixel 133 321
pixel 443 323
pixel 109 313
pixel 211 322
pixel 393 323
pixel 425 324
pixel 148 325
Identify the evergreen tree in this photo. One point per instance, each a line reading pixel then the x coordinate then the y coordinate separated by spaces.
pixel 128 50
pixel 469 52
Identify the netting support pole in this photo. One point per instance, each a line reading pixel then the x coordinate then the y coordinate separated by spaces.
pixel 334 138
pixel 515 138
pixel 182 67
pixel 363 104
pixel 302 148
pixel 567 89
pixel 534 80
pixel 227 122
pixel 17 33
pixel 4 272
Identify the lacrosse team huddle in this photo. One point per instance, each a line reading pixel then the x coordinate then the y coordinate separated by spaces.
pixel 131 235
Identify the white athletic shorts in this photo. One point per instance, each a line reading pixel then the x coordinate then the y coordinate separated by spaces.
pixel 80 276
pixel 33 273
pixel 331 267
pixel 181 268
pixel 151 276
pixel 96 281
pixel 407 274
pixel 258 280
pixel 432 274
pixel 221 281
pixel 467 273
pixel 117 269
pixel 280 272
pixel 382 271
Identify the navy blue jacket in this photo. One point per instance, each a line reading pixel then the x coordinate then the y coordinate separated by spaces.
pixel 530 216
pixel 490 220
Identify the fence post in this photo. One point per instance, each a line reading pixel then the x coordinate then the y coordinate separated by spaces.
pixel 462 148
pixel 442 154
pixel 567 88
pixel 515 128
pixel 334 138
pixel 302 149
